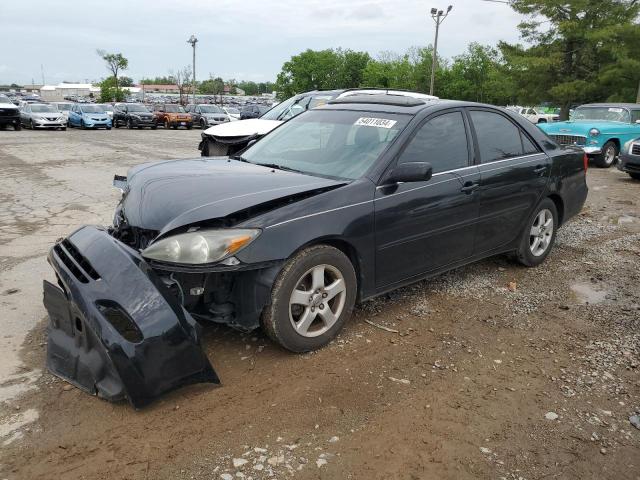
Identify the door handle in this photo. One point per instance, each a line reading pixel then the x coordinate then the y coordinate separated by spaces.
pixel 469 187
pixel 540 169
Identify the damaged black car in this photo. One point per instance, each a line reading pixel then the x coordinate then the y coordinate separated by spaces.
pixel 338 205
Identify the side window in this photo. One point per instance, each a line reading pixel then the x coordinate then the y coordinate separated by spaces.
pixel 442 142
pixel 498 138
pixel 527 145
pixel 635 116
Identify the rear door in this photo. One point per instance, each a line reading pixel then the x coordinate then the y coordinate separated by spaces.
pixel 513 175
pixel 424 226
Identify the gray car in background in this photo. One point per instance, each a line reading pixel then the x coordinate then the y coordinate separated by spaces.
pixel 42 115
pixel 206 115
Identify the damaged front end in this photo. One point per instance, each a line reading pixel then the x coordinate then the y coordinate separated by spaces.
pixel 115 328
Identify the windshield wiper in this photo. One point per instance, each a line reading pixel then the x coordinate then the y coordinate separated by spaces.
pixel 280 167
pixel 239 157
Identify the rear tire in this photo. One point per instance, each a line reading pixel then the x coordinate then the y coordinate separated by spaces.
pixel 635 176
pixel 608 156
pixel 539 234
pixel 311 299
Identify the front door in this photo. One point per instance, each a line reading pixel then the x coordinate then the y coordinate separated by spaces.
pixel 424 226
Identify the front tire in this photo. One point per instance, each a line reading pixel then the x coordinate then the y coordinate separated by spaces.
pixel 129 124
pixel 539 234
pixel 311 299
pixel 203 125
pixel 608 156
pixel 635 176
pixel 17 127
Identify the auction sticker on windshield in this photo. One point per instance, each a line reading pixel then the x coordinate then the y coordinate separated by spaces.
pixel 375 122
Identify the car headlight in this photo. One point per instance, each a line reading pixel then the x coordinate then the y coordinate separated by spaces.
pixel 594 132
pixel 201 247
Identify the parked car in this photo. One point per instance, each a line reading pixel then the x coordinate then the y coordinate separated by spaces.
pixel 172 116
pixel 232 112
pixel 600 129
pixel 231 138
pixel 336 206
pixel 537 116
pixel 42 115
pixel 63 107
pixel 630 159
pixel 9 114
pixel 108 109
pixel 252 111
pixel 133 115
pixel 86 115
pixel 206 115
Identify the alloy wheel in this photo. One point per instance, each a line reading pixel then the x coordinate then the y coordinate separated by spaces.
pixel 610 155
pixel 317 301
pixel 541 233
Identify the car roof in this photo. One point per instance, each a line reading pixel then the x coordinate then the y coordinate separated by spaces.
pixel 620 105
pixel 390 103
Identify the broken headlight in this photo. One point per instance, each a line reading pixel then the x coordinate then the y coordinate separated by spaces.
pixel 201 247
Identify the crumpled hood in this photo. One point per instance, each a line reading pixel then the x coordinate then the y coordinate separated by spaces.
pixel 243 128
pixel 167 195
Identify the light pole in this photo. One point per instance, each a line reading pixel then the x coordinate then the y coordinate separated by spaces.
pixel 438 17
pixel 193 40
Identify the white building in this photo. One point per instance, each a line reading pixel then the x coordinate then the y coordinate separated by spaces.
pixel 53 93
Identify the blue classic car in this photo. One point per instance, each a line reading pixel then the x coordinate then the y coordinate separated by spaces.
pixel 601 129
pixel 85 115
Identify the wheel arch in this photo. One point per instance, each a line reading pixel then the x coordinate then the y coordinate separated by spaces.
pixel 345 247
pixel 559 203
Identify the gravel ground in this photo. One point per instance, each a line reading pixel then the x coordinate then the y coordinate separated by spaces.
pixel 489 371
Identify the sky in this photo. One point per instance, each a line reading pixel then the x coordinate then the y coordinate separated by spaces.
pixel 244 40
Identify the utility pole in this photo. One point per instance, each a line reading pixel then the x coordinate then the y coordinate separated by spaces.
pixel 438 17
pixel 193 40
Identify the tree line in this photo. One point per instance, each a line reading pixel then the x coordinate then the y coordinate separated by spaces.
pixel 576 51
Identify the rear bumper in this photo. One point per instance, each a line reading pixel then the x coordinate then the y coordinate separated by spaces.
pixel 629 163
pixel 114 330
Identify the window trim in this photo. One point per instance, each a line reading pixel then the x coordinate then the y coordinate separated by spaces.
pixel 478 158
pixel 422 123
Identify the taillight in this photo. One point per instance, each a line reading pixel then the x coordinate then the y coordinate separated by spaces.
pixel 585 159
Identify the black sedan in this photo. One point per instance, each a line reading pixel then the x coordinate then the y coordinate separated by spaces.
pixel 338 205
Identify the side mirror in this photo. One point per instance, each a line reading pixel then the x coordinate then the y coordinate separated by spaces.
pixel 411 172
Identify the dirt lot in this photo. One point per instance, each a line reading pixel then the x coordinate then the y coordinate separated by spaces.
pixel 495 372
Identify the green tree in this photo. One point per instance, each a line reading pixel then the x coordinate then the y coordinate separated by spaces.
pixel 125 82
pixel 158 81
pixel 321 70
pixel 212 86
pixel 109 92
pixel 577 50
pixel 115 62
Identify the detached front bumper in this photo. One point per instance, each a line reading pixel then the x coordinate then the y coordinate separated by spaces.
pixel 114 329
